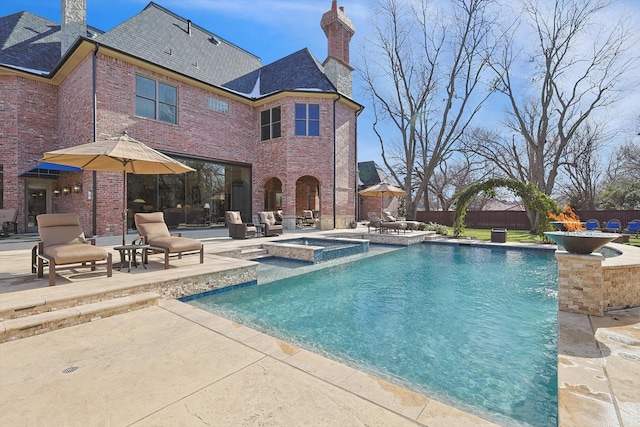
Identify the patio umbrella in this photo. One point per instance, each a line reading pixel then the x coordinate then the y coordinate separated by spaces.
pixel 382 189
pixel 116 154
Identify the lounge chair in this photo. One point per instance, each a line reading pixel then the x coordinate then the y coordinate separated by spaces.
pixel 237 228
pixel 633 228
pixel 411 225
pixel 592 224
pixel 381 226
pixel 613 226
pixel 154 232
pixel 268 218
pixel 62 243
pixel 8 220
pixel 308 218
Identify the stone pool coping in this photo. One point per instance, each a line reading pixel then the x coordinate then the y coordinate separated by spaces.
pixel 595 355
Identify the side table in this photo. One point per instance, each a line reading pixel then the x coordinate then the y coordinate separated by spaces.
pixel 130 251
pixel 259 230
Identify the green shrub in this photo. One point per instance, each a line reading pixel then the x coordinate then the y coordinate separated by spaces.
pixel 432 226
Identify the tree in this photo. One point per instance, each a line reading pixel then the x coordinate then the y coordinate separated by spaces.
pixel 575 66
pixel 581 174
pixel 424 70
pixel 621 189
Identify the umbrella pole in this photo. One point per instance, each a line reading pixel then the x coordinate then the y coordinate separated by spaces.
pixel 124 206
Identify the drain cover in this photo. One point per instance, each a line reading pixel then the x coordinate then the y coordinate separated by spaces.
pixel 70 369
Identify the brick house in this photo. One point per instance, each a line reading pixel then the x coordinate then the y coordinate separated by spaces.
pixel 280 136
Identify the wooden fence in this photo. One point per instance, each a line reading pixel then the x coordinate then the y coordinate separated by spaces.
pixel 517 220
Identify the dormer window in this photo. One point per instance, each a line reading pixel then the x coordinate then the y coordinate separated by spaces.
pixel 307 120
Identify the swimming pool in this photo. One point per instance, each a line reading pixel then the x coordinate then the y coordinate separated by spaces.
pixel 470 326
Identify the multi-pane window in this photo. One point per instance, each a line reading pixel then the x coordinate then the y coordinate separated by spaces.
pixel 307 120
pixel 270 124
pixel 156 100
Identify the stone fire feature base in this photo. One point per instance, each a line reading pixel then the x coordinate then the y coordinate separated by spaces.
pixel 592 284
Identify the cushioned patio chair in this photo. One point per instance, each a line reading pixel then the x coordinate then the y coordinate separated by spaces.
pixel 308 218
pixel 411 225
pixel 613 226
pixel 633 228
pixel 155 233
pixel 237 228
pixel 62 243
pixel 271 228
pixel 592 224
pixel 8 220
pixel 382 226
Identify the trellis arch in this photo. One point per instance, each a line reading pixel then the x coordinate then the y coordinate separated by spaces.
pixel 533 198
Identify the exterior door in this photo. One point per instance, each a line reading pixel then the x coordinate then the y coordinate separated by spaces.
pixel 37 198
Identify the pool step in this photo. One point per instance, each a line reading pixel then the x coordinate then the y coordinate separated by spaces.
pixel 254 253
pixel 22 327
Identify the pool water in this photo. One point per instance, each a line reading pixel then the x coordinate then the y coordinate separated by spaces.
pixel 474 327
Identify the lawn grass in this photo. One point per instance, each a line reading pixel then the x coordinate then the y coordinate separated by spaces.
pixel 520 236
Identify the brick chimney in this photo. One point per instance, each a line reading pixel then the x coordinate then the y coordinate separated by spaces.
pixel 73 23
pixel 339 29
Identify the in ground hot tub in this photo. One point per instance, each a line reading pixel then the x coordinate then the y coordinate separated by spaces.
pixel 316 249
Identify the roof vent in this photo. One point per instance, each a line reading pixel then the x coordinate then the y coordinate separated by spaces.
pixel 189 26
pixel 214 41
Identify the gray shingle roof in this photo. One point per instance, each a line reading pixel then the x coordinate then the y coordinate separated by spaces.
pixel 298 71
pixel 29 41
pixel 370 173
pixel 161 37
pixel 158 36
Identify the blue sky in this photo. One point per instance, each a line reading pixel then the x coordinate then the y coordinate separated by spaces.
pixel 269 29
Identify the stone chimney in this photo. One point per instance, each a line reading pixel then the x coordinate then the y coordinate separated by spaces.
pixel 73 23
pixel 339 29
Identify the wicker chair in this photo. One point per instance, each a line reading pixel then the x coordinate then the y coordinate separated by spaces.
pixel 237 228
pixel 269 220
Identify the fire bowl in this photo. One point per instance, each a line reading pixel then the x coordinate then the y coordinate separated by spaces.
pixel 581 242
pixel 562 225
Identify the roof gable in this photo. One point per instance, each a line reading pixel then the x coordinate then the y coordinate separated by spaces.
pixel 298 71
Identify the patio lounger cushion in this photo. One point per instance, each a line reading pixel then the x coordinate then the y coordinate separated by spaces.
pixel 411 225
pixel 62 242
pixel 75 252
pixel 155 233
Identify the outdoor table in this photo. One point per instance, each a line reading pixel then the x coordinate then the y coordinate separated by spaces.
pixel 259 229
pixel 130 251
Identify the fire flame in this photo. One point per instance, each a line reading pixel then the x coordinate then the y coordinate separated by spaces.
pixel 570 220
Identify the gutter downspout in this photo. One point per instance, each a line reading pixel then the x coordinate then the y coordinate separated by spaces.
pixel 94 204
pixel 335 172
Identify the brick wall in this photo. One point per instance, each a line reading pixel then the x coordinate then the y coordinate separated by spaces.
pixel 56 117
pixel 28 116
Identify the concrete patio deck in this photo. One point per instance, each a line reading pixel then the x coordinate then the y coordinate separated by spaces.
pixel 173 364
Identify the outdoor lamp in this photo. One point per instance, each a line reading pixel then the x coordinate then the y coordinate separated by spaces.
pixel 56 192
pixel 66 190
pixel 207 206
pixel 77 188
